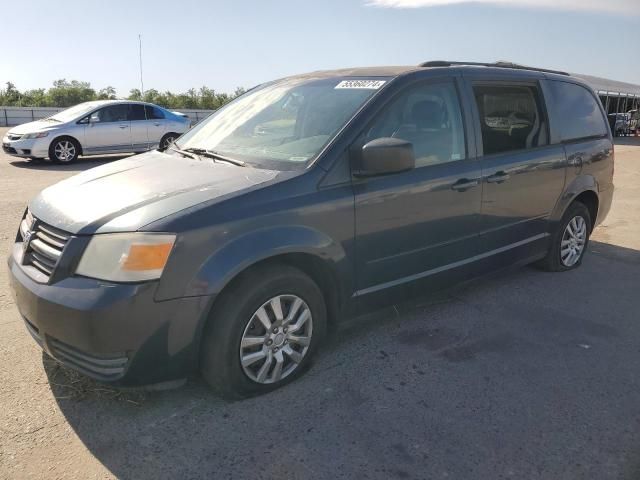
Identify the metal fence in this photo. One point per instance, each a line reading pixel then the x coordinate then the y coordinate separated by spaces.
pixel 11 116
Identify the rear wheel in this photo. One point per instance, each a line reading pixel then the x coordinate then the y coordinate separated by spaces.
pixel 263 331
pixel 64 150
pixel 167 140
pixel 569 243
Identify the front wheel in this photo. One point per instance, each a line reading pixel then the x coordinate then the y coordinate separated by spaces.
pixel 263 331
pixel 570 241
pixel 64 150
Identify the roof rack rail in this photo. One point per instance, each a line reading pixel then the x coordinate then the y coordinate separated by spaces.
pixel 445 63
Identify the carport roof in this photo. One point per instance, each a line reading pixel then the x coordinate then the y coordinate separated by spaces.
pixel 614 88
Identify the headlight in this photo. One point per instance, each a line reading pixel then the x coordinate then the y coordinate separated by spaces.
pixel 126 257
pixel 36 135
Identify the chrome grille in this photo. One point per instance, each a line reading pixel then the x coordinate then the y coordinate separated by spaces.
pixel 14 136
pixel 43 244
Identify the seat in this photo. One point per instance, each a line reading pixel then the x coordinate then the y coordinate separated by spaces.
pixel 428 132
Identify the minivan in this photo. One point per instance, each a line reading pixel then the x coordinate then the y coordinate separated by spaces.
pixel 302 202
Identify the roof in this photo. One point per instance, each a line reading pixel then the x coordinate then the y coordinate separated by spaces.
pixel 600 85
pixel 385 71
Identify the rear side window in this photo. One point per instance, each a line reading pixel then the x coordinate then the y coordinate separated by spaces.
pixel 511 118
pixel 153 113
pixel 577 111
pixel 136 112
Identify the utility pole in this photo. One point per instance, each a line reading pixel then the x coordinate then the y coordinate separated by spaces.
pixel 140 55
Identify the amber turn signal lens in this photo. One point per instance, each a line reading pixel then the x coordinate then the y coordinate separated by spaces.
pixel 147 257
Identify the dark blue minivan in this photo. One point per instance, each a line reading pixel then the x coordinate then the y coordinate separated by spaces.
pixel 302 201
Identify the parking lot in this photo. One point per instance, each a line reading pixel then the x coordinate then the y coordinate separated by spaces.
pixel 523 375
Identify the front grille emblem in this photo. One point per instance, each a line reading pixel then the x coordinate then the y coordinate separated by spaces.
pixel 28 235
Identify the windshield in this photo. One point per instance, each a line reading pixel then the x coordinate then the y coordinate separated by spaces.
pixel 282 125
pixel 73 112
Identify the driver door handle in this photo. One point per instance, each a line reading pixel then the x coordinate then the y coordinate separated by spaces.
pixel 123 126
pixel 498 177
pixel 464 184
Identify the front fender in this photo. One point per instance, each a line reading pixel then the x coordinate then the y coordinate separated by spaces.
pixel 237 255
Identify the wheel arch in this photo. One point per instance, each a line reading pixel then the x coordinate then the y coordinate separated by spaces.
pixel 590 200
pixel 70 137
pixel 318 269
pixel 583 188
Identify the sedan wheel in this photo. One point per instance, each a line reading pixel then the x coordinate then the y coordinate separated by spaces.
pixel 64 151
pixel 276 339
pixel 166 142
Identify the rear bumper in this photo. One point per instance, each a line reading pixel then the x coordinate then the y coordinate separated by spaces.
pixel 114 333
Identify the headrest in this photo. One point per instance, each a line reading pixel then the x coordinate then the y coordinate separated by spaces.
pixel 427 114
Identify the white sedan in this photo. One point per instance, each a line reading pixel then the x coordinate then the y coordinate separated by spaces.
pixel 95 128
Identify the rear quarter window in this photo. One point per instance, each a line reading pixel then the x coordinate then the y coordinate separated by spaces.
pixel 577 111
pixel 154 113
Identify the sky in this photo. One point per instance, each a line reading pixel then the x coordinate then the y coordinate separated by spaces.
pixel 241 43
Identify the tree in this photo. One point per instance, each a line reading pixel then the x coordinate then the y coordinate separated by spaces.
pixel 135 94
pixel 10 95
pixel 107 93
pixel 67 93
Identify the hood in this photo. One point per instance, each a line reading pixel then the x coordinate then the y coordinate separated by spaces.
pixel 32 127
pixel 128 194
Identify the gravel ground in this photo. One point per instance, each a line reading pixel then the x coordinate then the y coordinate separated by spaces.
pixel 524 375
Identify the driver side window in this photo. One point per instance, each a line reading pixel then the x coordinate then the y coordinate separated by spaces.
pixel 429 117
pixel 113 113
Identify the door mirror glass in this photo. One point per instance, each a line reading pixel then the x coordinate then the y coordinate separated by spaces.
pixel 384 156
pixel 94 118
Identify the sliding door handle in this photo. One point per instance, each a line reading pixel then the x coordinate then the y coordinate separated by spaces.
pixel 464 184
pixel 498 177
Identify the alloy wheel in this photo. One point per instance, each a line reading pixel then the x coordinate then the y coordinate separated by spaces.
pixel 276 339
pixel 167 142
pixel 64 151
pixel 574 239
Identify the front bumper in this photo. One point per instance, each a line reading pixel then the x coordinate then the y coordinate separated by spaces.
pixel 32 147
pixel 115 333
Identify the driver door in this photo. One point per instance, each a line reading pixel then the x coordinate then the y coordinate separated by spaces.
pixel 424 222
pixel 108 130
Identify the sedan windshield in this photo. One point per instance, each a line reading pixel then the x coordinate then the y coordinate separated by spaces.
pixel 282 125
pixel 73 112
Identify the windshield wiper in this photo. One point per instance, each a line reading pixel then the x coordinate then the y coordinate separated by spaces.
pixel 216 156
pixel 51 119
pixel 183 152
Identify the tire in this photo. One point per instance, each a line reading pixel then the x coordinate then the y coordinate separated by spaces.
pixel 235 317
pixel 64 150
pixel 556 260
pixel 167 140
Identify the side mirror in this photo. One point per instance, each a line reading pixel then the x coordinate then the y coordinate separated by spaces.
pixel 94 118
pixel 384 156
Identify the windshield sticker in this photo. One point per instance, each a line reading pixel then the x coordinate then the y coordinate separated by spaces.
pixel 366 84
